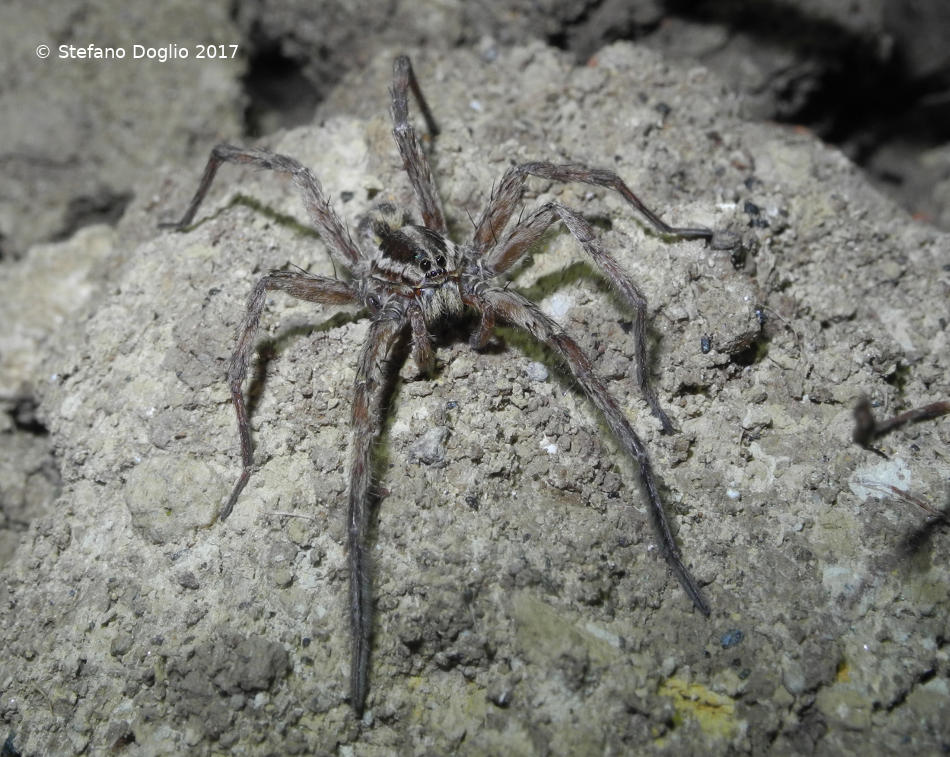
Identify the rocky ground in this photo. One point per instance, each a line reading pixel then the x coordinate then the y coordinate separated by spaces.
pixel 521 602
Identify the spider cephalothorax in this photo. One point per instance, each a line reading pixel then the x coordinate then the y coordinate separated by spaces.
pixel 415 263
pixel 411 277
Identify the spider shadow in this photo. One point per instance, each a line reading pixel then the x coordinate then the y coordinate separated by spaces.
pixel 259 208
pixel 282 219
pixel 508 337
pixel 580 271
pixel 270 348
pixel 921 537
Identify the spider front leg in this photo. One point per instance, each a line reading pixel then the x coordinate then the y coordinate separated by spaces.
pixel 507 194
pixel 331 229
pixel 369 395
pixel 530 229
pixel 303 286
pixel 520 312
pixel 413 157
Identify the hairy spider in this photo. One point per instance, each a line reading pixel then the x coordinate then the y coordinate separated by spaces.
pixel 411 277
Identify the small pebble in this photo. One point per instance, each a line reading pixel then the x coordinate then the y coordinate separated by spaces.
pixel 536 371
pixel 731 638
pixel 429 448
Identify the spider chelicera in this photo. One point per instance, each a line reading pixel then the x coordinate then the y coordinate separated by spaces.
pixel 412 277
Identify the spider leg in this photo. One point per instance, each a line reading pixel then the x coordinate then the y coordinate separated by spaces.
pixel 368 410
pixel 528 230
pixel 326 221
pixel 421 341
pixel 303 286
pixel 413 157
pixel 520 312
pixel 508 192
pixel 484 331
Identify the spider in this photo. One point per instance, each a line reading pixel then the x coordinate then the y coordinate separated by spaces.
pixel 411 277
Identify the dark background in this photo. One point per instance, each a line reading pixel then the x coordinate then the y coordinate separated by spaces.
pixel 870 76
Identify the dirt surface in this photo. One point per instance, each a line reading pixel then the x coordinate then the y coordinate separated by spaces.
pixel 521 603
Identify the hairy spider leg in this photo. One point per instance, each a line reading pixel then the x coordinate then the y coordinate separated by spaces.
pixel 342 249
pixel 522 313
pixel 499 257
pixel 527 232
pixel 506 195
pixel 369 395
pixel 303 286
pixel 413 157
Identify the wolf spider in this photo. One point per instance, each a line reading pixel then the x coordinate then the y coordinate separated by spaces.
pixel 412 277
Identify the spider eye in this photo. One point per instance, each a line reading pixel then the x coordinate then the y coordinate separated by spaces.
pixel 440 261
pixel 425 265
